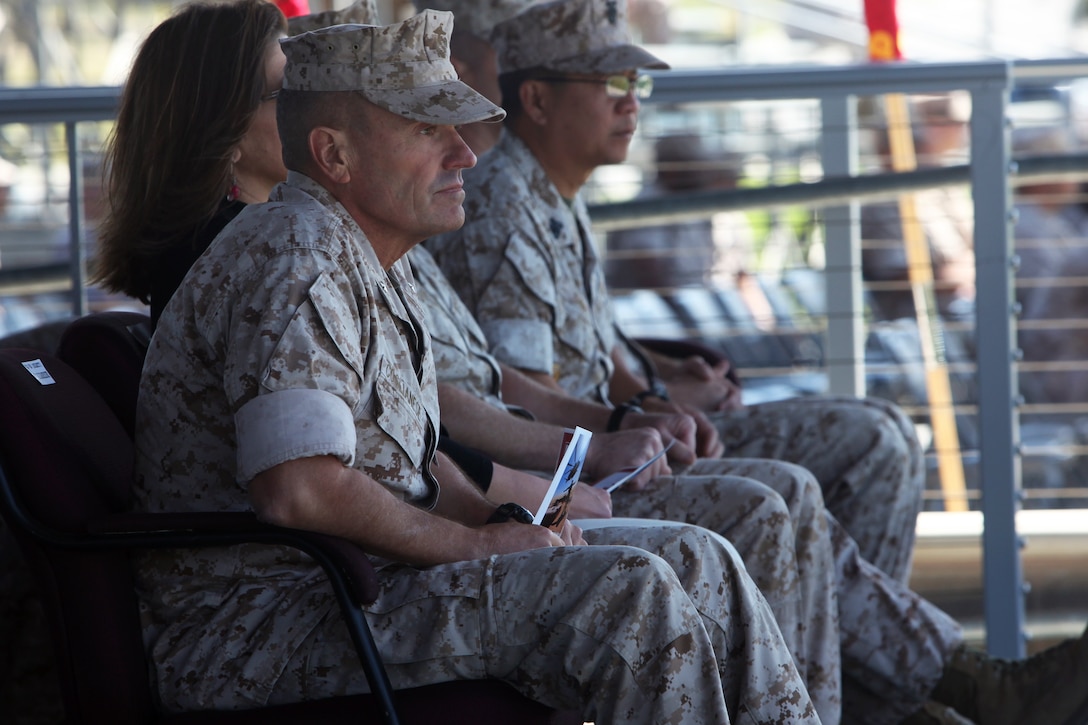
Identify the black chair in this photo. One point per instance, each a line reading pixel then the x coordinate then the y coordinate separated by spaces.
pixel 65 484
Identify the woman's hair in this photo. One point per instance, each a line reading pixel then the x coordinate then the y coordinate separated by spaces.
pixel 194 88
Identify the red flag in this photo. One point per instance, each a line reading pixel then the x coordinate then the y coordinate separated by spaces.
pixel 883 30
pixel 293 8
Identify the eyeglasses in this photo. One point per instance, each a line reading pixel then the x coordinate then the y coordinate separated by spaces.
pixel 616 86
pixel 271 95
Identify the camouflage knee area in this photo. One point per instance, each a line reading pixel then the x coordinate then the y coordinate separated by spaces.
pixel 617 632
pixel 699 559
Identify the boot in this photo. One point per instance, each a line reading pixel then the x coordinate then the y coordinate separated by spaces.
pixel 1050 687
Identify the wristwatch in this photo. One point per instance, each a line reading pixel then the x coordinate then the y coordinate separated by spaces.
pixel 618 413
pixel 657 389
pixel 511 512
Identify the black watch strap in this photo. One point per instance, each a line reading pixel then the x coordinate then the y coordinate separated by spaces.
pixel 511 512
pixel 618 413
pixel 656 390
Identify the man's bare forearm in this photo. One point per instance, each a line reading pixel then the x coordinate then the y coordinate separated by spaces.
pixel 459 499
pixel 625 383
pixel 322 494
pixel 509 484
pixel 512 440
pixel 608 452
pixel 548 402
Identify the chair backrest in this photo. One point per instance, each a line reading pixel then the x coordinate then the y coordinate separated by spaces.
pixel 65 459
pixel 107 349
pixel 44 337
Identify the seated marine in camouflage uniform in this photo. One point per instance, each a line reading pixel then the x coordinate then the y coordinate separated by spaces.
pixel 822 593
pixel 291 374
pixel 526 266
pixel 928 659
pixel 896 647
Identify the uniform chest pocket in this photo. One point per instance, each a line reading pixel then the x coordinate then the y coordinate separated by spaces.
pixel 400 411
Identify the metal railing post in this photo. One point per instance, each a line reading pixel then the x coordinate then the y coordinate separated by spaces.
pixel 75 220
pixel 998 418
pixel 845 352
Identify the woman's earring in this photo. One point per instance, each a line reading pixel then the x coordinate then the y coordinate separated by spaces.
pixel 232 195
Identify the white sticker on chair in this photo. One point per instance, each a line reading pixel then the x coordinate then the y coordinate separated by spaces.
pixel 37 369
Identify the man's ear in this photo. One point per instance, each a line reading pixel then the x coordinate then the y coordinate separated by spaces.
pixel 535 99
pixel 460 67
pixel 465 72
pixel 328 149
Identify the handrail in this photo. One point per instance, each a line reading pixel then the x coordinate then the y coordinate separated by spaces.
pixel 834 87
pixel 44 104
pixel 792 82
pixel 827 192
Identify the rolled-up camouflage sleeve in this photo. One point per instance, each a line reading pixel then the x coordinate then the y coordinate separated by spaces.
pixel 522 344
pixel 289 424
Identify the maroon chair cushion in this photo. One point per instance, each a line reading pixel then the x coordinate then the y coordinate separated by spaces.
pixel 59 435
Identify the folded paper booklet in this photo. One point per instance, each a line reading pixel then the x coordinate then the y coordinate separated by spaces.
pixel 552 511
pixel 617 479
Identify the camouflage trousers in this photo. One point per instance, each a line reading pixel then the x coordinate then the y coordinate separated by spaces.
pixel 772 513
pixel 864 453
pixel 893 643
pixel 672 631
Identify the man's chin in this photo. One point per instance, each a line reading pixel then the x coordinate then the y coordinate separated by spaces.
pixel 449 222
pixel 619 149
pixel 617 156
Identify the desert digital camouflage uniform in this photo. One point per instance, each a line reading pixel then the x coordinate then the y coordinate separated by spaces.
pixel 795 551
pixel 525 266
pixel 863 451
pixel 753 518
pixel 893 643
pixel 519 601
pixel 530 279
pixel 287 341
pixel 460 350
pixel 300 329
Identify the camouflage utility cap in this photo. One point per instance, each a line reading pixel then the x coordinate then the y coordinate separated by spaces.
pixel 404 68
pixel 360 12
pixel 477 16
pixel 572 36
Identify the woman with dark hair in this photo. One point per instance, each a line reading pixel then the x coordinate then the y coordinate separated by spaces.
pixel 195 140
